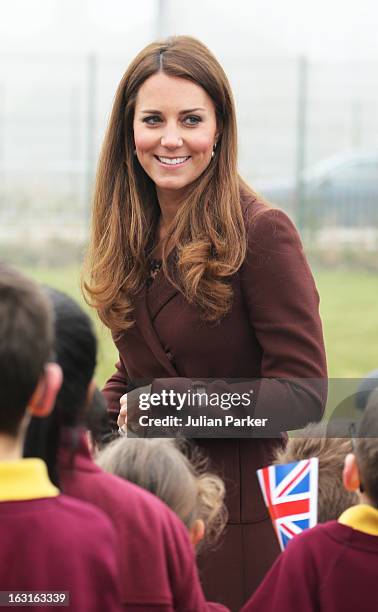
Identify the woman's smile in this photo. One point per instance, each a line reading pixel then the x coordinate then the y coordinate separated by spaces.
pixel 172 162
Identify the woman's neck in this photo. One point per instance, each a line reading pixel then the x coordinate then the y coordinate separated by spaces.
pixel 169 203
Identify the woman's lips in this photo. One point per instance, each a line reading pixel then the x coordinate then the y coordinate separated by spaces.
pixel 172 162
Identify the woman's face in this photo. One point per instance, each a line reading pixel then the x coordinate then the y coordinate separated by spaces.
pixel 174 131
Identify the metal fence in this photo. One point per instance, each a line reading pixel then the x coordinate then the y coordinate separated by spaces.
pixel 291 114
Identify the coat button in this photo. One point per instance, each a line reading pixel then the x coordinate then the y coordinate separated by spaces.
pixel 168 353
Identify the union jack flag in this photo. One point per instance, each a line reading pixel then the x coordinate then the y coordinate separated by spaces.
pixel 291 495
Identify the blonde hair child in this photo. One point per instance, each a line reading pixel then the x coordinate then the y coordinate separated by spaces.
pixel 159 466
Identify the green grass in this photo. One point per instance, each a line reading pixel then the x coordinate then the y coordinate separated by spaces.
pixel 349 308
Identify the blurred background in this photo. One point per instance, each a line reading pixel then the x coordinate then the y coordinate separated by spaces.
pixel 305 80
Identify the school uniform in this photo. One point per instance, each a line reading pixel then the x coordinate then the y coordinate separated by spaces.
pixel 50 542
pixel 330 568
pixel 158 570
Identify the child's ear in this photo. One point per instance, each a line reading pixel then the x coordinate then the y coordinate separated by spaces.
pixel 197 532
pixel 351 475
pixel 43 399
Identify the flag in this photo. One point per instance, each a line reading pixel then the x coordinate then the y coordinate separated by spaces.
pixel 291 495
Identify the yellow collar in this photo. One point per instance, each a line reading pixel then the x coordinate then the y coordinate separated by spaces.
pixel 362 517
pixel 25 479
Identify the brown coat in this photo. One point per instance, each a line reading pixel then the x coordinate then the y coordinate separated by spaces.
pixel 273 331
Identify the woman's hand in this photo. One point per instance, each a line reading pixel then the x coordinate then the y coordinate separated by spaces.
pixel 129 403
pixel 122 415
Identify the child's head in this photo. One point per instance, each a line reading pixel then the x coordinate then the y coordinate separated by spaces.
pixel 333 499
pixel 160 467
pixel 361 466
pixel 27 380
pixel 75 352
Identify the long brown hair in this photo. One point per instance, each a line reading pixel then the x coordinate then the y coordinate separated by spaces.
pixel 208 231
pixel 176 473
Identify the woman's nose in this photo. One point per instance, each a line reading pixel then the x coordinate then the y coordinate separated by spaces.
pixel 171 140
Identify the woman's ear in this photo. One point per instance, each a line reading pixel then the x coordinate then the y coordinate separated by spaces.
pixel 197 532
pixel 43 399
pixel 351 475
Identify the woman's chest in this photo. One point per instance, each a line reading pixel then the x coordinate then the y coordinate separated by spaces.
pixel 166 322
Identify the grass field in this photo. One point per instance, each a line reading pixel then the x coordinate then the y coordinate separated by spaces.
pixel 349 309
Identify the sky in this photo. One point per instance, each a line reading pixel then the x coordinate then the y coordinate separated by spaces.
pixel 325 29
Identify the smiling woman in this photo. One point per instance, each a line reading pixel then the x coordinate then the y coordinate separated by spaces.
pixel 199 280
pixel 168 173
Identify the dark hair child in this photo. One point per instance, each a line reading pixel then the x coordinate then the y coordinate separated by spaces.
pixel 40 550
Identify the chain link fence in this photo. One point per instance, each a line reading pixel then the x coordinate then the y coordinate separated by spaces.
pixel 292 114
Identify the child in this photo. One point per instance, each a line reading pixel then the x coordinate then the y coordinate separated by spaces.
pixel 333 498
pixel 334 566
pixel 158 570
pixel 48 542
pixel 160 467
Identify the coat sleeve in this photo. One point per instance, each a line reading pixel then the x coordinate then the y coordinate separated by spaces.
pixel 115 387
pixel 283 307
pixel 282 300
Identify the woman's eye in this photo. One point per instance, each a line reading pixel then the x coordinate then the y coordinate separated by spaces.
pixel 192 120
pixel 152 120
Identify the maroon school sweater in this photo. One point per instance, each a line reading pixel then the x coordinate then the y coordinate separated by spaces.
pixel 158 569
pixel 330 568
pixel 54 543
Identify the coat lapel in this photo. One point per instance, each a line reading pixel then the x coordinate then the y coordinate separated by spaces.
pixel 146 309
pixel 160 292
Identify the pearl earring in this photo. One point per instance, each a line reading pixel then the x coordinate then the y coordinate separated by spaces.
pixel 213 151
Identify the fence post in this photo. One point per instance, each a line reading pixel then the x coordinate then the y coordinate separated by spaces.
pixel 162 14
pixel 91 133
pixel 74 146
pixel 301 142
pixel 2 141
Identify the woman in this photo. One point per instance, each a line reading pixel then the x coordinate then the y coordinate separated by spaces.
pixel 197 278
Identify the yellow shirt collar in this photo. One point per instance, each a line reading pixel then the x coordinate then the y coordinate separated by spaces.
pixel 25 479
pixel 362 517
